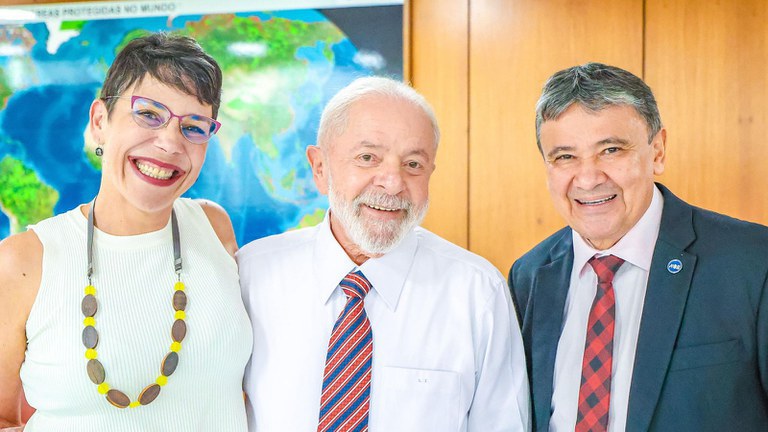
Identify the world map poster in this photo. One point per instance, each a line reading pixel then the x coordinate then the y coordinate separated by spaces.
pixel 280 67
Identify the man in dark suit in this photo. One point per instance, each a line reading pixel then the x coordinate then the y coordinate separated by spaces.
pixel 645 313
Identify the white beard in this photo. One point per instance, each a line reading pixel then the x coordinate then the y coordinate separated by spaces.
pixel 374 237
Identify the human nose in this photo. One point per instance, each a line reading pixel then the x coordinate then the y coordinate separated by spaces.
pixel 170 139
pixel 589 174
pixel 390 178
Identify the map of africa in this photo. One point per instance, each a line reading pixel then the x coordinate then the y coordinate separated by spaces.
pixel 279 70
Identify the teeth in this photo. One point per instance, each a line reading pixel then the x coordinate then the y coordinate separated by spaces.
pixel 600 201
pixel 154 171
pixel 382 208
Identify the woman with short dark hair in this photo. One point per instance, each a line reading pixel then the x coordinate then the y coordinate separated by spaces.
pixel 124 314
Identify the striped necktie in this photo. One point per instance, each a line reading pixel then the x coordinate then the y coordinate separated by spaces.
pixel 347 379
pixel 595 391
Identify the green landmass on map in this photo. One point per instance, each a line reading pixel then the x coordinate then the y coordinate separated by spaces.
pixel 5 89
pixel 94 160
pixel 73 25
pixel 311 219
pixel 248 103
pixel 217 33
pixel 288 180
pixel 24 198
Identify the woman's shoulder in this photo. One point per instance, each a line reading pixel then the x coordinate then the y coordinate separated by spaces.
pixel 20 251
pixel 217 218
pixel 21 262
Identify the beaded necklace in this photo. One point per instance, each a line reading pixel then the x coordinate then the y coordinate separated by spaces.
pixel 89 307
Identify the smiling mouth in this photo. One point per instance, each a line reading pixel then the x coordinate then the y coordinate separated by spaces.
pixel 154 171
pixel 597 201
pixel 382 208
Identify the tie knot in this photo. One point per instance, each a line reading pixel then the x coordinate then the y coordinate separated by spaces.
pixel 355 284
pixel 605 267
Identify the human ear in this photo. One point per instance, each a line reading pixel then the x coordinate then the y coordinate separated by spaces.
pixel 659 145
pixel 316 158
pixel 97 121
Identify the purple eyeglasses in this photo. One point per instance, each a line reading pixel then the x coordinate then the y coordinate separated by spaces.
pixel 151 114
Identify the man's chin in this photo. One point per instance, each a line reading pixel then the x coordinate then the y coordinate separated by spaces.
pixel 378 245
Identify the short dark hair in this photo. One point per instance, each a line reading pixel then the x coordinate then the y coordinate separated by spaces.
pixel 175 60
pixel 596 86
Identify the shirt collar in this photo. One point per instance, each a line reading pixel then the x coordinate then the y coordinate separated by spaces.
pixel 636 247
pixel 387 273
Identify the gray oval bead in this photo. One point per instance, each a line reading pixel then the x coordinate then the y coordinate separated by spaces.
pixel 169 363
pixel 179 300
pixel 179 330
pixel 149 394
pixel 118 398
pixel 89 306
pixel 90 337
pixel 95 371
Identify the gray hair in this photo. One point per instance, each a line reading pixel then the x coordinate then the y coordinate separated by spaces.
pixel 333 121
pixel 596 86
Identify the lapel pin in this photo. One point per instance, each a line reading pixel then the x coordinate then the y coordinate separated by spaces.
pixel 675 266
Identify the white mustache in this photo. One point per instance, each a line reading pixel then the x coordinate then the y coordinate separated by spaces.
pixel 384 200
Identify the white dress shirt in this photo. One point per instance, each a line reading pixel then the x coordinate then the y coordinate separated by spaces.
pixel 629 285
pixel 447 352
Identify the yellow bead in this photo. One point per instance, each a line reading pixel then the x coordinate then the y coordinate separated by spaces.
pixel 180 315
pixel 90 354
pixel 134 404
pixel 103 388
pixel 162 380
pixel 89 321
pixel 90 290
pixel 176 347
pixel 179 286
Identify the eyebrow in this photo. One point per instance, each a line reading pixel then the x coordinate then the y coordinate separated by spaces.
pixel 606 141
pixel 613 140
pixel 370 145
pixel 366 144
pixel 421 153
pixel 560 149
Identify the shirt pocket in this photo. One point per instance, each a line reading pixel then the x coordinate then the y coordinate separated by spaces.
pixel 711 354
pixel 418 400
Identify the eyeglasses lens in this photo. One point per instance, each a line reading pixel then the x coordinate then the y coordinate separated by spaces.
pixel 150 114
pixel 197 129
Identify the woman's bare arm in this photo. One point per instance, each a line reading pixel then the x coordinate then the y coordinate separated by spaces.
pixel 20 271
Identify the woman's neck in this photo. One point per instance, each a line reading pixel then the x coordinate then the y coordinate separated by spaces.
pixel 122 219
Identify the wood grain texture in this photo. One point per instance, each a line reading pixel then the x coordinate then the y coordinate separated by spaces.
pixel 515 45
pixel 439 36
pixel 707 63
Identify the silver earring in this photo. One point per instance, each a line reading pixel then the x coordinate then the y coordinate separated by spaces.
pixel 99 151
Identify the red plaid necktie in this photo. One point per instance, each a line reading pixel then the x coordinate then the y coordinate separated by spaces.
pixel 347 379
pixel 595 391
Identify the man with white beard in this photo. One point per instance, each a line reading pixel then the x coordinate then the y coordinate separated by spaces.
pixel 368 321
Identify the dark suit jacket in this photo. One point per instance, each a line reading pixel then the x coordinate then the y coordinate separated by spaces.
pixel 702 351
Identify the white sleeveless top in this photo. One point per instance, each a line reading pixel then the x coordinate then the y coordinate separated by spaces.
pixel 134 280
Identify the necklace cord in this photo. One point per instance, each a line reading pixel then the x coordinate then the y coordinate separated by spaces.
pixel 176 245
pixel 177 263
pixel 90 337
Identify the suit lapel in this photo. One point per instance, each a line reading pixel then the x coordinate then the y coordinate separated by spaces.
pixel 665 300
pixel 549 291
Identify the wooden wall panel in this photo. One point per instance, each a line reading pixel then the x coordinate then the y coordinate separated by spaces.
pixel 515 45
pixel 438 69
pixel 707 63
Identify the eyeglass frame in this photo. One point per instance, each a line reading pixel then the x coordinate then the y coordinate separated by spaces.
pixel 180 117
